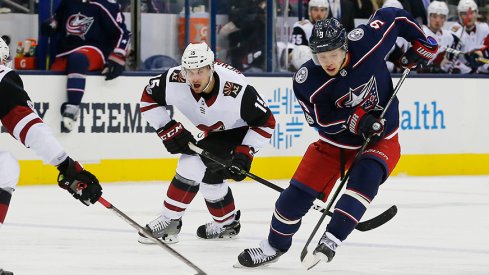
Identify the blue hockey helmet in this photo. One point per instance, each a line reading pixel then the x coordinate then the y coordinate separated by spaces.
pixel 327 35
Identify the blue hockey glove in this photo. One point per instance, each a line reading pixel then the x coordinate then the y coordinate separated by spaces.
pixel 83 185
pixel 421 52
pixel 363 124
pixel 474 59
pixel 115 66
pixel 240 161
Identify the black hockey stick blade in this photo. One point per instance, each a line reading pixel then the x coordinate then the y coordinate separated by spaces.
pixel 148 235
pixel 377 221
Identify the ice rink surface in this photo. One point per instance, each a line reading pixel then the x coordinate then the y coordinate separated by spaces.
pixel 442 227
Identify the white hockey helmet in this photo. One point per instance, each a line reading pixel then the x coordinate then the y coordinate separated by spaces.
pixel 392 4
pixel 4 53
pixel 197 55
pixel 438 7
pixel 318 3
pixel 300 55
pixel 466 5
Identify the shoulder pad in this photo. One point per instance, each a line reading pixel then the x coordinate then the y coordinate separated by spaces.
pixel 177 76
pixel 231 89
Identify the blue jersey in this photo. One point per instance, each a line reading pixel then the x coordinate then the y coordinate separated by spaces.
pixel 96 23
pixel 365 81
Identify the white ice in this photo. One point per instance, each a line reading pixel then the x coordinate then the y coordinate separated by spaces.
pixel 441 228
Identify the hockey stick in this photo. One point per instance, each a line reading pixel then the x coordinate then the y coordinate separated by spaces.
pixel 148 235
pixel 361 226
pixel 308 259
pixel 457 53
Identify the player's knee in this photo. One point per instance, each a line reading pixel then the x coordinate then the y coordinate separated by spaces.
pixel 10 171
pixel 366 177
pixel 294 202
pixel 214 192
pixel 78 63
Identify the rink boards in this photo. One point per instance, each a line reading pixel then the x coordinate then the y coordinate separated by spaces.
pixel 443 129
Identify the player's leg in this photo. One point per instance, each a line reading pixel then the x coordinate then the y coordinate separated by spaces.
pixel 366 176
pixel 78 64
pixel 9 175
pixel 180 193
pixel 218 196
pixel 316 174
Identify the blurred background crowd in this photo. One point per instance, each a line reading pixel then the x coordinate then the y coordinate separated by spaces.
pixel 254 36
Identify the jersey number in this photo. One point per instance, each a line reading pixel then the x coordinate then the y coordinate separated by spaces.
pixel 260 104
pixel 297 39
pixel 376 24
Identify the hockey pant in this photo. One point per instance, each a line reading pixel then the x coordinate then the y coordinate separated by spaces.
pixel 9 175
pixel 196 173
pixel 316 176
pixel 76 65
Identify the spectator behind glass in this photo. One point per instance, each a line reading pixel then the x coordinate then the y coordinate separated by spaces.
pixel 92 36
pixel 246 34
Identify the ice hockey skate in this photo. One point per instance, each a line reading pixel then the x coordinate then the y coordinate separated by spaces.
pixel 163 228
pixel 5 272
pixel 214 230
pixel 70 114
pixel 260 256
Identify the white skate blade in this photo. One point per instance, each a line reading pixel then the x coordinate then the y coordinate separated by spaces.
pixel 168 240
pixel 310 260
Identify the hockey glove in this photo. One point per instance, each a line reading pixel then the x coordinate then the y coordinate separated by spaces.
pixel 48 27
pixel 83 185
pixel 176 138
pixel 420 53
pixel 240 162
pixel 474 59
pixel 363 124
pixel 115 66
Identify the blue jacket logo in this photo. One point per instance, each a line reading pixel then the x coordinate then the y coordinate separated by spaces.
pixel 78 24
pixel 365 96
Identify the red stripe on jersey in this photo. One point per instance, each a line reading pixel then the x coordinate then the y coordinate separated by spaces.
pixel 27 127
pixel 270 122
pixel 147 108
pixel 147 98
pixel 221 212
pixel 261 132
pixel 14 116
pixel 173 207
pixel 180 195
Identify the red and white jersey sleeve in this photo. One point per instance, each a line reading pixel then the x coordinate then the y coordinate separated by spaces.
pixel 22 122
pixel 152 105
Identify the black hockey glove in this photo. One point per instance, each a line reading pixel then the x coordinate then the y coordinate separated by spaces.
pixel 240 161
pixel 83 185
pixel 421 52
pixel 363 124
pixel 474 59
pixel 116 64
pixel 48 27
pixel 176 138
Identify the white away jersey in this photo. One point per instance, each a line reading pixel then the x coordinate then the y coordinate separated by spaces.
pixel 231 104
pixel 301 32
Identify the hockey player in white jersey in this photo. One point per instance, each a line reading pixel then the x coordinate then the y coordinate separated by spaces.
pixel 21 121
pixel 437 16
pixel 471 34
pixel 236 123
pixel 301 32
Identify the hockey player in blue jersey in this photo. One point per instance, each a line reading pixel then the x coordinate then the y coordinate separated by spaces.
pixel 342 92
pixel 92 37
